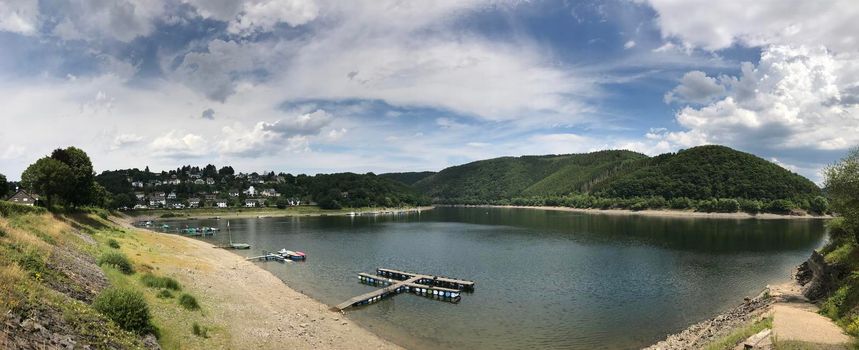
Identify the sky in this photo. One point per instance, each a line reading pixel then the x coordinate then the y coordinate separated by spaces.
pixel 319 86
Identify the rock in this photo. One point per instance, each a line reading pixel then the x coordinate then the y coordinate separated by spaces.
pixel 31 326
pixel 303 325
pixel 823 276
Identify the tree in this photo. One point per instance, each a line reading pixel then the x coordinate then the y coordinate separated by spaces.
pixel 49 178
pixel 4 187
pixel 226 171
pixel 83 176
pixel 819 205
pixel 842 186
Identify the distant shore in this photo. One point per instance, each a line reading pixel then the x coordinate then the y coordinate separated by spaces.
pixel 659 213
pixel 238 213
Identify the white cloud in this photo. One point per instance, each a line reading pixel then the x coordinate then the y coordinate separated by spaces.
pixel 790 100
pixel 262 16
pixel 175 145
pixel 19 16
pixel 716 25
pixel 629 44
pixel 695 87
pixel 264 138
pixel 123 140
pixel 122 20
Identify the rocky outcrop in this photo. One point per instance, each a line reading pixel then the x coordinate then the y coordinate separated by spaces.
pixel 817 277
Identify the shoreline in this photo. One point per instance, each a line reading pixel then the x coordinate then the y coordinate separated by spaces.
pixel 668 213
pixel 265 213
pixel 294 319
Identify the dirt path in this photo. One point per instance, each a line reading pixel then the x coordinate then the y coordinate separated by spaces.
pixel 796 319
pixel 252 307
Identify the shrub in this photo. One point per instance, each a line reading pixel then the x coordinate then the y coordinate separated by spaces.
pixel 642 205
pixel 189 302
pixel 153 281
pixel 126 308
pixel 727 205
pixel 819 205
pixel 9 209
pixel 117 260
pixel 780 206
pixel 164 294
pixel 200 331
pixel 751 206
pixel 113 243
pixel 680 203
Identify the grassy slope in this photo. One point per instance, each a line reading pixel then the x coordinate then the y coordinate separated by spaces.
pixel 28 280
pixel 509 177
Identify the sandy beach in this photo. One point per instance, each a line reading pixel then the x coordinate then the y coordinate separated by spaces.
pixel 666 213
pixel 246 306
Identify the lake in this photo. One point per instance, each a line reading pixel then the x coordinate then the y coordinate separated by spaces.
pixel 546 279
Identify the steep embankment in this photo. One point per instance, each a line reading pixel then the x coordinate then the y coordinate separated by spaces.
pixel 53 292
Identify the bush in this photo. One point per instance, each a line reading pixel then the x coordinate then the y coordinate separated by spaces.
pixel 164 294
pixel 751 206
pixel 117 260
pixel 153 281
pixel 113 243
pixel 819 205
pixel 8 209
pixel 126 308
pixel 189 302
pixel 727 205
pixel 680 203
pixel 780 206
pixel 200 331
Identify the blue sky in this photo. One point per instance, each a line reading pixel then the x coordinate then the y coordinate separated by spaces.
pixel 307 86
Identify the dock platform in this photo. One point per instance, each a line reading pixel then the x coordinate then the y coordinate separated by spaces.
pixel 395 282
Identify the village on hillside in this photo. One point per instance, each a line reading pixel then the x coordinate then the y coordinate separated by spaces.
pixel 192 187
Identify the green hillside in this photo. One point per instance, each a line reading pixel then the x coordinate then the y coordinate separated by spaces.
pixel 508 177
pixel 408 178
pixel 707 178
pixel 708 172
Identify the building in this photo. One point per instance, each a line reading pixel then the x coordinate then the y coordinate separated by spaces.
pixel 210 181
pixel 24 198
pixel 139 195
pixel 138 184
pixel 158 199
pixel 254 203
pixel 251 191
pixel 294 201
pixel 221 203
pixel 234 193
pixel 269 192
pixel 193 202
pixel 171 196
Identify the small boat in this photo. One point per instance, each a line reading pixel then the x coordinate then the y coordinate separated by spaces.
pixel 240 246
pixel 292 255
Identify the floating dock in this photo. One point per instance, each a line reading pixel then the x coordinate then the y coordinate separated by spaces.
pixel 267 257
pixel 396 282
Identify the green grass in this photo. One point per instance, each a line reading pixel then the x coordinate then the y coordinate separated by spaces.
pixel 731 340
pixel 153 281
pixel 164 294
pixel 113 243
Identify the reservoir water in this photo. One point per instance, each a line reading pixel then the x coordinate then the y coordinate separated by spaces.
pixel 544 279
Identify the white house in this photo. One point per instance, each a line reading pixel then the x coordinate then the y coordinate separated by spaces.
pixel 269 192
pixel 221 203
pixel 210 181
pixel 24 198
pixel 251 191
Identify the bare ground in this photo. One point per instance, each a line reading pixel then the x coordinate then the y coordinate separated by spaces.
pixel 244 305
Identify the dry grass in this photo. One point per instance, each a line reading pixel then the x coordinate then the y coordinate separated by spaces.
pixel 11 276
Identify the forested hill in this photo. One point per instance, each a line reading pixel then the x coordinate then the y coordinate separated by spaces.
pixel 699 173
pixel 509 177
pixel 408 178
pixel 708 172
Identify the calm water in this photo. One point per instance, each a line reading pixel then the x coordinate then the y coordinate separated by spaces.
pixel 544 279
